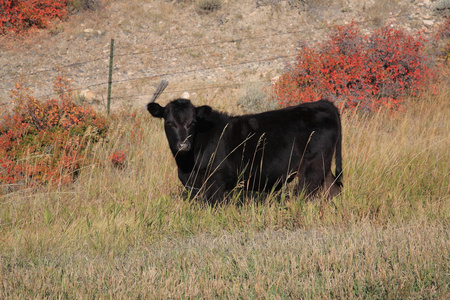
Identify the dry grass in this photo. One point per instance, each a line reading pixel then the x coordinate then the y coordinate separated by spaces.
pixel 131 233
pixel 361 261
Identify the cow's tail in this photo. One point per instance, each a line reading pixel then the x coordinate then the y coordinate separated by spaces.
pixel 338 153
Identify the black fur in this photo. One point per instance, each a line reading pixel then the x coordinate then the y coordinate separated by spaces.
pixel 214 151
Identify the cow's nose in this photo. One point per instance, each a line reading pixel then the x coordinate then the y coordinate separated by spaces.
pixel 184 146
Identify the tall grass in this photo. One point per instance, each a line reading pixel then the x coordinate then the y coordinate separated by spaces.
pixel 130 232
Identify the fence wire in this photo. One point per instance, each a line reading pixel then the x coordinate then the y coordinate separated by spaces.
pixel 150 73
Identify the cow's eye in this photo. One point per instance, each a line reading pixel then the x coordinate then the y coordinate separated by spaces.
pixel 169 123
pixel 192 124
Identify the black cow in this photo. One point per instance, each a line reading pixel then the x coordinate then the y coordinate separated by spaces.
pixel 215 152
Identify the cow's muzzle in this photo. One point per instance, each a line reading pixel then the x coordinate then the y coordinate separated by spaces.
pixel 184 146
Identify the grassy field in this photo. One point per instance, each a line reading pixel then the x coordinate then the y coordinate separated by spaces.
pixel 130 232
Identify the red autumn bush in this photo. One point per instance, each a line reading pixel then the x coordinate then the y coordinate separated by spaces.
pixel 356 70
pixel 46 142
pixel 118 159
pixel 18 16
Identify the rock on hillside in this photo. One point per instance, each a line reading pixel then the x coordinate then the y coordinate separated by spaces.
pixel 210 54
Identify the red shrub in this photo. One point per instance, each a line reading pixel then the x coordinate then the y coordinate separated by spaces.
pixel 356 70
pixel 18 16
pixel 118 159
pixel 46 142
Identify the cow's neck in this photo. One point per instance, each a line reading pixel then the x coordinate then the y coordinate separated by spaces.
pixel 185 161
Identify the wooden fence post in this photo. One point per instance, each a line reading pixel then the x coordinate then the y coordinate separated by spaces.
pixel 111 55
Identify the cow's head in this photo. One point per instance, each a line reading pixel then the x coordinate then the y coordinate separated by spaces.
pixel 182 120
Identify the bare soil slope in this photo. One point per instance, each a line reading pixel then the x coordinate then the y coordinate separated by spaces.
pixel 210 54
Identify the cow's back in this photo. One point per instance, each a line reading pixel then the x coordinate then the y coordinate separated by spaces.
pixel 269 147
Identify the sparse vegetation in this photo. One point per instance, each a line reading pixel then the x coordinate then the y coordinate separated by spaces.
pixel 78 5
pixel 442 40
pixel 442 5
pixel 208 5
pixel 256 99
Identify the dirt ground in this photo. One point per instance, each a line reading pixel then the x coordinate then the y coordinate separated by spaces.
pixel 213 55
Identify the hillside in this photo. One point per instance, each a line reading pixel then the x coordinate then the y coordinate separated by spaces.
pixel 211 54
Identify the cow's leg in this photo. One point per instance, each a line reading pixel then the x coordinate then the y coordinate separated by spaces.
pixel 214 192
pixel 313 180
pixel 312 174
pixel 330 187
pixel 308 182
pixel 214 188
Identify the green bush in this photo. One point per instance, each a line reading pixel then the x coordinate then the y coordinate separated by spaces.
pixel 206 6
pixel 256 99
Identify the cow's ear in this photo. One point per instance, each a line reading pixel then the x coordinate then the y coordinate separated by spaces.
pixel 204 118
pixel 203 112
pixel 155 110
